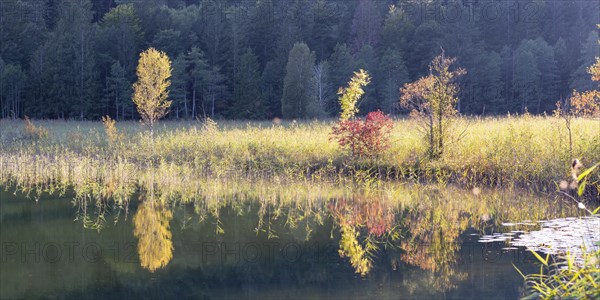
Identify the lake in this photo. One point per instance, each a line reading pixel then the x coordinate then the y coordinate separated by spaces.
pixel 423 242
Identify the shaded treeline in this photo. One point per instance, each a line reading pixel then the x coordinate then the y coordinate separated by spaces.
pixel 267 58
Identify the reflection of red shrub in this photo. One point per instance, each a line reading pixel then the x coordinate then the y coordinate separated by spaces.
pixel 364 138
pixel 374 215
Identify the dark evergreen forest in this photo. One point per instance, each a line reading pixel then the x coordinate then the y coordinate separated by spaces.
pixel 260 59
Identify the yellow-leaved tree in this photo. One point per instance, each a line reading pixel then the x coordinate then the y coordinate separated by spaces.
pixel 150 91
pixel 350 95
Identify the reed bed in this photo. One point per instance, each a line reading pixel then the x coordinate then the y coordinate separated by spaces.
pixel 526 151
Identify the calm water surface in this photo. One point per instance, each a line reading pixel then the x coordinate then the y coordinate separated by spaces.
pixel 424 249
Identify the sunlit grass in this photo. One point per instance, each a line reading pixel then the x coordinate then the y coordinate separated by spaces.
pixel 525 151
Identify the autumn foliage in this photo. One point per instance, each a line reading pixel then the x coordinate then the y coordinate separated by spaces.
pixel 110 128
pixel 432 100
pixel 353 216
pixel 594 69
pixel 150 91
pixel 350 95
pixel 34 132
pixel 368 137
pixel 151 228
pixel 586 103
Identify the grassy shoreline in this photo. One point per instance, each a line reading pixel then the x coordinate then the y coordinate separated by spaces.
pixel 527 151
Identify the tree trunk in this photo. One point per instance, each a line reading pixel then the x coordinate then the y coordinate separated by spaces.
pixel 440 133
pixel 81 77
pixel 185 105
pixel 212 108
pixel 431 143
pixel 194 102
pixel 116 107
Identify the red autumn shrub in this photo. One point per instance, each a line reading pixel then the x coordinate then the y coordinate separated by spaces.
pixel 369 137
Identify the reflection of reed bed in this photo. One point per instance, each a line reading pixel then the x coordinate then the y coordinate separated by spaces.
pixel 530 152
pixel 114 182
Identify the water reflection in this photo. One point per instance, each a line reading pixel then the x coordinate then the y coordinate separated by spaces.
pixel 420 227
pixel 413 236
pixel 432 235
pixel 353 216
pixel 151 228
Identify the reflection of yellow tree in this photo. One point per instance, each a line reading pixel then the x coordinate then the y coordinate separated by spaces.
pixel 151 227
pixel 351 248
pixel 372 215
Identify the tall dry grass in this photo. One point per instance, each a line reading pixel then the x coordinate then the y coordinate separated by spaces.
pixel 524 151
pixel 294 171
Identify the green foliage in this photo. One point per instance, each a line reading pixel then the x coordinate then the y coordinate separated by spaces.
pixel 196 67
pixel 366 59
pixel 487 89
pixel 536 75
pixel 580 78
pixel 214 89
pixel 247 99
pixel 118 90
pixel 342 65
pixel 119 37
pixel 272 85
pixel 587 176
pixel 397 30
pixel 169 41
pixel 572 282
pixel 367 23
pixel 68 64
pixel 12 84
pixel 298 85
pixel 526 78
pixel 179 85
pixel 67 58
pixel 393 69
pixel 424 46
